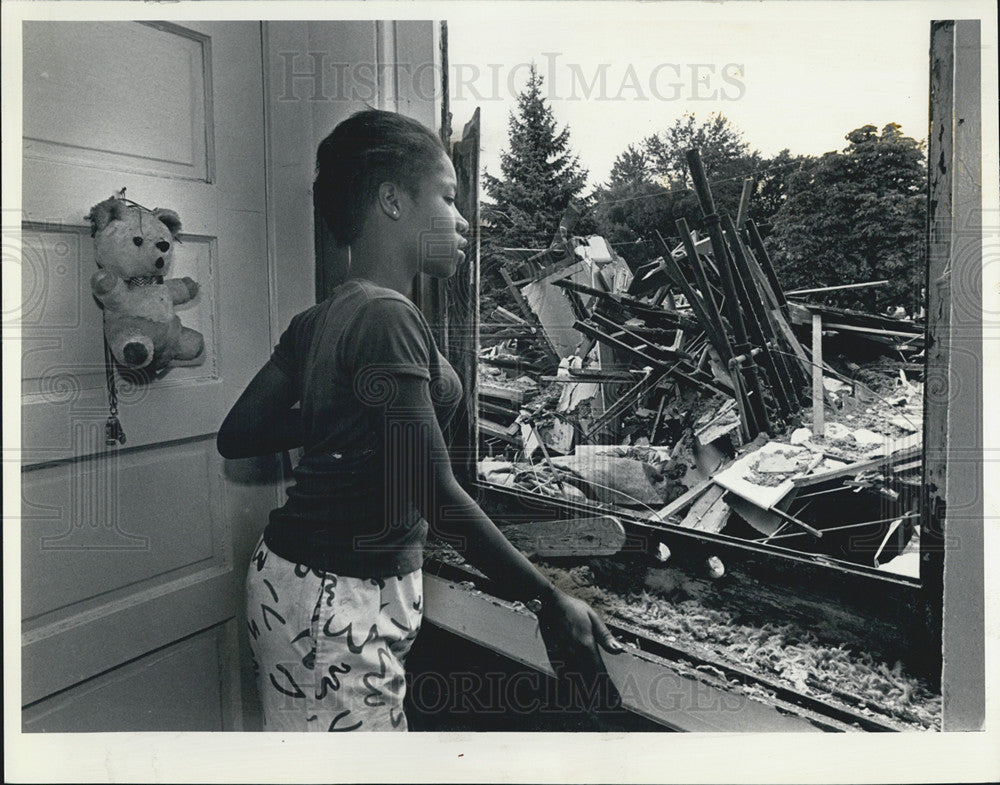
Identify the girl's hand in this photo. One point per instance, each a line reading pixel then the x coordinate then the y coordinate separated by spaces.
pixel 573 634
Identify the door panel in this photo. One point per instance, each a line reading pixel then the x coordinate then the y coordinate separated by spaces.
pixel 133 557
pixel 62 374
pixel 157 89
pixel 167 690
pixel 87 560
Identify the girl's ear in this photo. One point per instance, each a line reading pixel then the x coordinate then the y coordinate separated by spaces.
pixel 388 199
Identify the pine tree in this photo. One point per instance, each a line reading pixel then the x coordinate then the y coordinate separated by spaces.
pixel 540 176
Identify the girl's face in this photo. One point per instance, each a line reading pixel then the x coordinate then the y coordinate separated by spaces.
pixel 433 222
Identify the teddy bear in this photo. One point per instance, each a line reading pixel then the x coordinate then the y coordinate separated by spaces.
pixel 133 249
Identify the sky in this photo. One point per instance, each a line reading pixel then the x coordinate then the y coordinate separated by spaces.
pixel 799 78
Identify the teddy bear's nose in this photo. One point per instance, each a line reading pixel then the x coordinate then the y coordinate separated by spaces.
pixel 137 241
pixel 163 246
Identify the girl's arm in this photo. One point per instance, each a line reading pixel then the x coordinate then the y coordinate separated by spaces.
pixel 262 420
pixel 570 628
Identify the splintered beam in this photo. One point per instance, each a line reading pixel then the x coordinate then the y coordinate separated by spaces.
pixel 760 421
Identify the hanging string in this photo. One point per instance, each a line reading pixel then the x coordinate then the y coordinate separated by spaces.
pixel 114 434
pixel 121 197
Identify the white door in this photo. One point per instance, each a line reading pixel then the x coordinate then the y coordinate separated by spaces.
pixel 133 557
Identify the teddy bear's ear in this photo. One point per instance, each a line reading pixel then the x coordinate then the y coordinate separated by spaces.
pixel 170 219
pixel 102 214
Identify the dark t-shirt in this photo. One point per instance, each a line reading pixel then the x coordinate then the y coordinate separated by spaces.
pixel 347 512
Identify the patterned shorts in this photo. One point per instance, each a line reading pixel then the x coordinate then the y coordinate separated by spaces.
pixel 328 650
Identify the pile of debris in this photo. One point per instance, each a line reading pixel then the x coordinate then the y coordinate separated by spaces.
pixel 686 389
pixel 785 652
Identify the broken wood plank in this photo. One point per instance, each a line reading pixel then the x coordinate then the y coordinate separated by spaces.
pixel 511 363
pixel 510 316
pixel 513 394
pixel 666 317
pixel 775 315
pixel 841 287
pixel 851 469
pixel 595 375
pixel 817 375
pixel 648 278
pixel 709 513
pixel 488 407
pixel 762 283
pixel 647 341
pixel 656 421
pixel 758 325
pixel 766 522
pixel 872 330
pixel 684 500
pixel 491 429
pixel 491 335
pixel 601 535
pixel 716 518
pixel 801 524
pixel 801 314
pixel 741 212
pixel 789 336
pixel 610 340
pixel 704 307
pixel 755 399
pixel 529 315
pixel 764 260
pixel 554 271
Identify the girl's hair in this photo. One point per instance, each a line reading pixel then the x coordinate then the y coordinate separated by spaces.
pixel 365 150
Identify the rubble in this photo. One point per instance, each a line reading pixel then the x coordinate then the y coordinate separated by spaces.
pixel 786 652
pixel 699 362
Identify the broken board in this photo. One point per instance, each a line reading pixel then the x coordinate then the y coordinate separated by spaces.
pixel 709 513
pixel 683 501
pixel 739 477
pixel 764 521
pixel 553 310
pixel 601 535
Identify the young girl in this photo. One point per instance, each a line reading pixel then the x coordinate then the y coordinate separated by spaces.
pixel 334 589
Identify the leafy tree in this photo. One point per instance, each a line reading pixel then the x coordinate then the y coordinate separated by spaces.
pixel 632 167
pixel 725 154
pixel 630 206
pixel 649 187
pixel 857 215
pixel 771 187
pixel 540 175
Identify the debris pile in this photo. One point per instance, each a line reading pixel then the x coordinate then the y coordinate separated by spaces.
pixel 784 652
pixel 686 391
